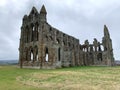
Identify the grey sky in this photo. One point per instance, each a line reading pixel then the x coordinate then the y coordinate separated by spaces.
pixel 83 19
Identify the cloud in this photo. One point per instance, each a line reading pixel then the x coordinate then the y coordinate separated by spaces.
pixel 83 19
pixel 10 20
pixel 3 2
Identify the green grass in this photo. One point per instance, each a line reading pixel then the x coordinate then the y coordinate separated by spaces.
pixel 74 78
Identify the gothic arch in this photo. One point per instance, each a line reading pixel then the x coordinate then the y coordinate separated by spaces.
pixel 32 28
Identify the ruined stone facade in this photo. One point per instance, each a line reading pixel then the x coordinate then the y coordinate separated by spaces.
pixel 43 46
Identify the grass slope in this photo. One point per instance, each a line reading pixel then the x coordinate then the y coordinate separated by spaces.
pixel 74 78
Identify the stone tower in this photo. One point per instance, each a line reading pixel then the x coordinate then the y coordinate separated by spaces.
pixel 43 46
pixel 43 14
pixel 108 50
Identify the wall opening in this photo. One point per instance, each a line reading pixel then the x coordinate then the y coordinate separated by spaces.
pixel 46 55
pixel 31 55
pixel 58 54
pixel 102 48
pixel 36 31
pixel 33 28
pixel 94 49
pixel 32 32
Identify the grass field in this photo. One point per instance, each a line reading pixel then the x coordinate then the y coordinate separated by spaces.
pixel 74 78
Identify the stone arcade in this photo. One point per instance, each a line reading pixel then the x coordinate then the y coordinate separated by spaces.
pixel 43 46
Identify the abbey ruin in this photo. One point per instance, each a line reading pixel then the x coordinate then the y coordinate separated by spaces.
pixel 43 46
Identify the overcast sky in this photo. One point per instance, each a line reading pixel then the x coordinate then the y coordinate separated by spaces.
pixel 83 19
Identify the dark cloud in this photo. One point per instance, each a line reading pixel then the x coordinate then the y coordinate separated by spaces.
pixel 83 19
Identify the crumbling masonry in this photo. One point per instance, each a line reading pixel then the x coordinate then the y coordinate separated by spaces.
pixel 43 46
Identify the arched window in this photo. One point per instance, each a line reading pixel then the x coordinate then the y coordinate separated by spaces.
pixel 99 48
pixel 31 55
pixel 36 30
pixel 93 48
pixel 32 32
pixel 58 54
pixel 33 28
pixel 46 54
